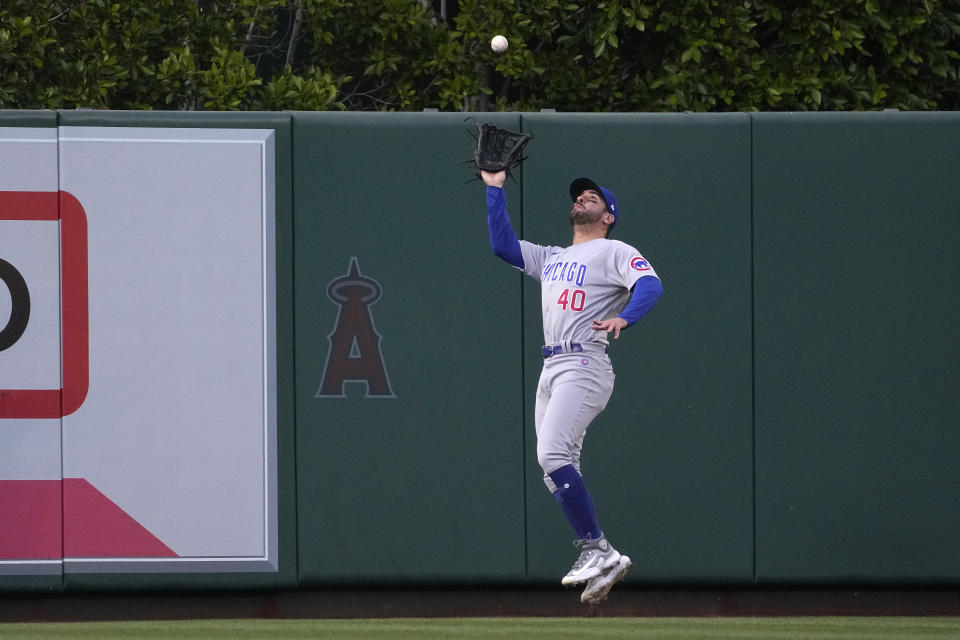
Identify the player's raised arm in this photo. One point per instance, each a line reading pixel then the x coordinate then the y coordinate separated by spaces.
pixel 503 240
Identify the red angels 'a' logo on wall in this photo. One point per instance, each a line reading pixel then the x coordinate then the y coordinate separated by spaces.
pixel 354 354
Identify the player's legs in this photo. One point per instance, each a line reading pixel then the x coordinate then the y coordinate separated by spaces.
pixel 561 440
pixel 568 399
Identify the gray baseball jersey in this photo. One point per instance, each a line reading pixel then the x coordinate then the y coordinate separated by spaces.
pixel 582 283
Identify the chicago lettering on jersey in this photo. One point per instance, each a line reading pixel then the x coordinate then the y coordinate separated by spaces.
pixel 565 271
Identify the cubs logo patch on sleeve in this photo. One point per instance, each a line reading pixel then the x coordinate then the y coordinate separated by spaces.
pixel 639 263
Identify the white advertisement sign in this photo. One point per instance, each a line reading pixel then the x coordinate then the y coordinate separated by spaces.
pixel 166 397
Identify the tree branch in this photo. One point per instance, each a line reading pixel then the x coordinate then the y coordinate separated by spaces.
pixel 295 34
pixel 249 37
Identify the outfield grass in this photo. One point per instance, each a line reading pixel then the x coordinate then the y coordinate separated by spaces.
pixel 806 628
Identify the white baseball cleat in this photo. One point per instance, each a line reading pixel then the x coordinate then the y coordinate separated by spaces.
pixel 595 557
pixel 598 588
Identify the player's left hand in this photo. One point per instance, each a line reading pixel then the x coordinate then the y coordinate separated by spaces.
pixel 613 324
pixel 494 179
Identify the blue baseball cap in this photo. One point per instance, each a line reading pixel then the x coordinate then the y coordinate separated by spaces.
pixel 580 185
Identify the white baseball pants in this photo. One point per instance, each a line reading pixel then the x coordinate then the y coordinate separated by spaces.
pixel 574 388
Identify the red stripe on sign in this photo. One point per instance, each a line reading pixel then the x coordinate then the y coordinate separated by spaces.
pixel 30 403
pixel 95 527
pixel 74 303
pixel 30 520
pixel 28 205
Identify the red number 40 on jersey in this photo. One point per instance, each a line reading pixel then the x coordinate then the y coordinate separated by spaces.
pixel 575 299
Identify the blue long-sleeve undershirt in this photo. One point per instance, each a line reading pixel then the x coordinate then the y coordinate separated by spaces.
pixel 646 292
pixel 503 240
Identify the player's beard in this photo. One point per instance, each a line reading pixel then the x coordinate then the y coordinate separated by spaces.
pixel 583 216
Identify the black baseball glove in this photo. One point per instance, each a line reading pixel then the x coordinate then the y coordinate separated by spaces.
pixel 498 149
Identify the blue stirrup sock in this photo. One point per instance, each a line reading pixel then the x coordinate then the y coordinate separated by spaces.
pixel 575 501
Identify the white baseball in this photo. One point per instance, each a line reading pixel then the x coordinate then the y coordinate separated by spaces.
pixel 499 44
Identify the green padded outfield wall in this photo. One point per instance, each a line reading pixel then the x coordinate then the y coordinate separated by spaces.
pixel 857 358
pixel 438 480
pixel 669 463
pixel 787 414
pixel 409 378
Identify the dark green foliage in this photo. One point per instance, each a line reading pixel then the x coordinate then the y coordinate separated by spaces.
pixel 570 55
pixel 163 54
pixel 721 55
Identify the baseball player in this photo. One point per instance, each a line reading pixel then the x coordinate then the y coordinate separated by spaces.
pixel 593 288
